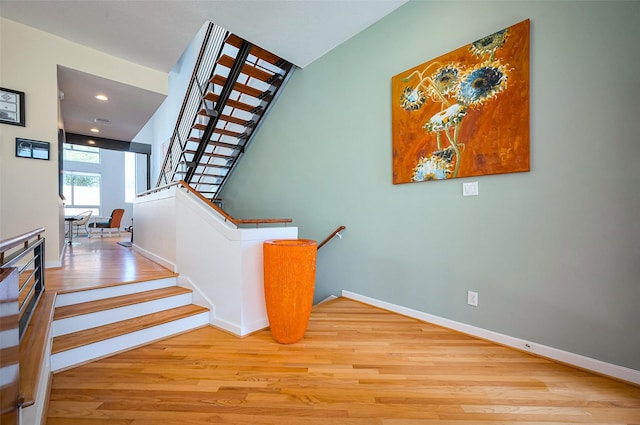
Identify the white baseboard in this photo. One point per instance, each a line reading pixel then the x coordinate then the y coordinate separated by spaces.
pixel 227 326
pixel 329 298
pixel 577 360
pixel 162 261
pixel 255 326
pixel 199 297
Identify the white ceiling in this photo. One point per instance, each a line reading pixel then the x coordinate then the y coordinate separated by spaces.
pixel 154 33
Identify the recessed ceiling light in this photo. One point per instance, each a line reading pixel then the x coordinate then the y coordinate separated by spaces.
pixel 95 130
pixel 91 142
pixel 101 97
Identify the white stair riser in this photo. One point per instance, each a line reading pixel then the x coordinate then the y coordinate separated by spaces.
pixel 104 317
pixel 112 291
pixel 100 349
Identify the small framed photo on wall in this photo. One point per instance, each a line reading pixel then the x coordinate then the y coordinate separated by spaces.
pixel 11 107
pixel 34 149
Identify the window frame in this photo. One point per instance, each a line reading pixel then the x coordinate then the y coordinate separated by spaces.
pixel 69 200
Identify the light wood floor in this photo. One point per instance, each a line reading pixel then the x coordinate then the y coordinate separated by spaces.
pixel 97 261
pixel 89 262
pixel 356 365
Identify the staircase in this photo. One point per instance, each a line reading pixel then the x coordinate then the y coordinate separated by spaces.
pixel 221 115
pixel 95 323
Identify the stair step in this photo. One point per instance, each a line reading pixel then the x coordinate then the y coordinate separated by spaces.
pixel 234 103
pixel 119 301
pixel 256 51
pixel 247 69
pixel 217 176
pixel 199 126
pixel 125 288
pixel 239 87
pixel 219 144
pixel 234 40
pixel 102 333
pixel 211 154
pixel 207 165
pixel 238 121
pixel 222 132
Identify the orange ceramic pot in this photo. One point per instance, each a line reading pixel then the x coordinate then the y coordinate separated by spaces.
pixel 289 280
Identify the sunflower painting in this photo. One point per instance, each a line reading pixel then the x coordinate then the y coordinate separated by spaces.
pixel 465 113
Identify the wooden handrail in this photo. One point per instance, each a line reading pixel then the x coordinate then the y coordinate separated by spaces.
pixel 24 238
pixel 332 235
pixel 227 217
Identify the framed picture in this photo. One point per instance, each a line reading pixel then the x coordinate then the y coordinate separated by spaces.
pixel 465 113
pixel 11 107
pixel 26 148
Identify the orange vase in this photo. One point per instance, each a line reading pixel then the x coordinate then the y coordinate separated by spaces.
pixel 289 280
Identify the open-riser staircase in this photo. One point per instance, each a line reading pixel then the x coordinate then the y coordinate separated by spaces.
pixel 95 323
pixel 241 87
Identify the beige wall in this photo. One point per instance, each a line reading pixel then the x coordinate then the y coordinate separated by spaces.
pixel 28 63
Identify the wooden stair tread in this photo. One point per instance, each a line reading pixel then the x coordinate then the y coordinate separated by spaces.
pixel 234 40
pixel 207 165
pixel 242 88
pixel 89 336
pixel 256 51
pixel 247 69
pixel 220 131
pixel 227 118
pixel 211 154
pixel 116 284
pixel 115 302
pixel 265 55
pixel 235 120
pixel 216 143
pixel 199 126
pixel 202 175
pixel 233 103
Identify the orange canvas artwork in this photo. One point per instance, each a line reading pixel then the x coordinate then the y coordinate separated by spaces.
pixel 465 113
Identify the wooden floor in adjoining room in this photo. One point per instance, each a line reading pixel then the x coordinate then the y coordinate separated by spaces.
pixel 357 365
pixel 99 261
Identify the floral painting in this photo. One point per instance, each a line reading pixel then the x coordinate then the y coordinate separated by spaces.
pixel 465 113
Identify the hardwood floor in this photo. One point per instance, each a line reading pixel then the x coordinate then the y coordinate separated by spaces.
pixel 100 261
pixel 90 262
pixel 356 365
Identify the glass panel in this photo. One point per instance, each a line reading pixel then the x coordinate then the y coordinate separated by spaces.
pixel 82 193
pixel 81 153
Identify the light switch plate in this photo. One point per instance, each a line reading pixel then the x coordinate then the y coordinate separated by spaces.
pixel 470 189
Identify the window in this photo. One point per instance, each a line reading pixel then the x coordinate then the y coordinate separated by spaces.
pixel 81 153
pixel 82 193
pixel 129 176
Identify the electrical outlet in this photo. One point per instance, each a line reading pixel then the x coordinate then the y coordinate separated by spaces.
pixel 472 298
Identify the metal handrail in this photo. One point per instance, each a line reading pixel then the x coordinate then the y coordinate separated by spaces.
pixel 193 101
pixel 7 244
pixel 32 284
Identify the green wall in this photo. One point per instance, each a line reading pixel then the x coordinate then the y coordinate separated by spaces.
pixel 553 253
